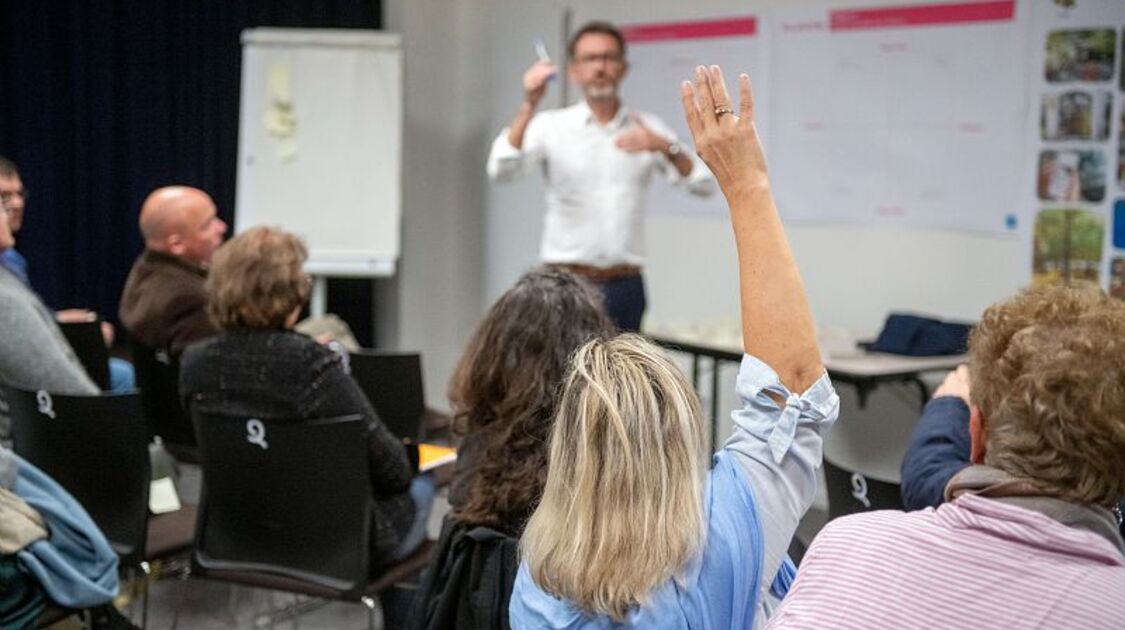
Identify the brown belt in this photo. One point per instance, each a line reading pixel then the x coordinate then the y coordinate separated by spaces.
pixel 600 274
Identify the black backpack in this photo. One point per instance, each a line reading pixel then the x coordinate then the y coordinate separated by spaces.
pixel 470 580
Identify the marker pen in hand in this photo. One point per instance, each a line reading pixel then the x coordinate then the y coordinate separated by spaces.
pixel 541 52
pixel 541 49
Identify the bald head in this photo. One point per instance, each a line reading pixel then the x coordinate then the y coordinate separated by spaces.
pixel 181 221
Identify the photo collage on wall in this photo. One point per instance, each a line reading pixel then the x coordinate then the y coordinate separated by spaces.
pixel 1080 160
pixel 1117 265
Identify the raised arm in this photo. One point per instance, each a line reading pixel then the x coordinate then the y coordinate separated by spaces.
pixel 534 87
pixel 777 326
pixel 787 398
pixel 511 149
pixel 940 446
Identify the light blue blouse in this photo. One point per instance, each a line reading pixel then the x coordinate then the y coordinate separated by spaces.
pixel 763 481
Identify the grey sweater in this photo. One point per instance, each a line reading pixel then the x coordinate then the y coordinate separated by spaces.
pixel 33 352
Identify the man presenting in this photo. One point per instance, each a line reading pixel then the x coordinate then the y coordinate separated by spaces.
pixel 598 157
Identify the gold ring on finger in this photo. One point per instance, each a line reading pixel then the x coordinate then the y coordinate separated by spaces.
pixel 723 109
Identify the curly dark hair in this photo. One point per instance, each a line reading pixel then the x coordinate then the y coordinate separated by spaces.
pixel 505 389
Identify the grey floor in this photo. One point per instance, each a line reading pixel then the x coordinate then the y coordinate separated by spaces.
pixel 196 603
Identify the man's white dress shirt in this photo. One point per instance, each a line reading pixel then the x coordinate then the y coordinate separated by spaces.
pixel 595 190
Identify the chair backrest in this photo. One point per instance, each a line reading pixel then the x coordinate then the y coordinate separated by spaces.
pixel 158 378
pixel 850 491
pixel 392 381
pixel 97 448
pixel 86 339
pixel 285 498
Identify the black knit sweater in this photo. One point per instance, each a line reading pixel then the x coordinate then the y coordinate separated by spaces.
pixel 280 374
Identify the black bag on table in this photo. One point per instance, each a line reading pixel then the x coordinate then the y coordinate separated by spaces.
pixel 916 336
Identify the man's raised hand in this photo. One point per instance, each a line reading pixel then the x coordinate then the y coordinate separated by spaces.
pixel 728 143
pixel 535 80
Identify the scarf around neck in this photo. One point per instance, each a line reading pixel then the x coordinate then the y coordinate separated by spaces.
pixel 993 483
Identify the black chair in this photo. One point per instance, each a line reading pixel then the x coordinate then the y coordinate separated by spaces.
pixel 850 491
pixel 86 340
pixel 158 379
pixel 392 381
pixel 96 447
pixel 286 506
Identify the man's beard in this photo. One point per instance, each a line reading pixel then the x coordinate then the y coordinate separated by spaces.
pixel 601 92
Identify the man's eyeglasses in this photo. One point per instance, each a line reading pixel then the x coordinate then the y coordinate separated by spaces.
pixel 22 193
pixel 607 58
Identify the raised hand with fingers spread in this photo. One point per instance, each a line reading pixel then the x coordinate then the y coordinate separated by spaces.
pixel 728 143
pixel 777 325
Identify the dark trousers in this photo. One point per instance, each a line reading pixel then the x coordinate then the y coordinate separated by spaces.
pixel 624 301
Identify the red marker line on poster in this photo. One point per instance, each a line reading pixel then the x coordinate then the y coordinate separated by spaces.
pixel 922 15
pixel 730 27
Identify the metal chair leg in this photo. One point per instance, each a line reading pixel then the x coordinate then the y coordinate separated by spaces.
pixel 182 575
pixel 144 604
pixel 370 605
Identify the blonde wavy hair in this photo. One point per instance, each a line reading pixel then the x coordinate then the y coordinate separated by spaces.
pixel 256 281
pixel 1048 374
pixel 622 508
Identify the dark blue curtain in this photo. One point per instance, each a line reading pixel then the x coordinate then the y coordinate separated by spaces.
pixel 102 101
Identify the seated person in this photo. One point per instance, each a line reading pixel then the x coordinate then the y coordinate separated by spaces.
pixel 940 447
pixel 164 303
pixel 633 528
pixel 503 394
pixel 257 289
pixel 1025 537
pixel 33 352
pixel 14 196
pixel 503 397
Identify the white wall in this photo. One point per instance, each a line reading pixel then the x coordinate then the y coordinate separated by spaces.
pixel 436 298
pixel 466 241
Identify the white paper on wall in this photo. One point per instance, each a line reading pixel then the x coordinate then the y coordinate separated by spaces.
pixel 320 144
pixel 900 116
pixel 662 56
